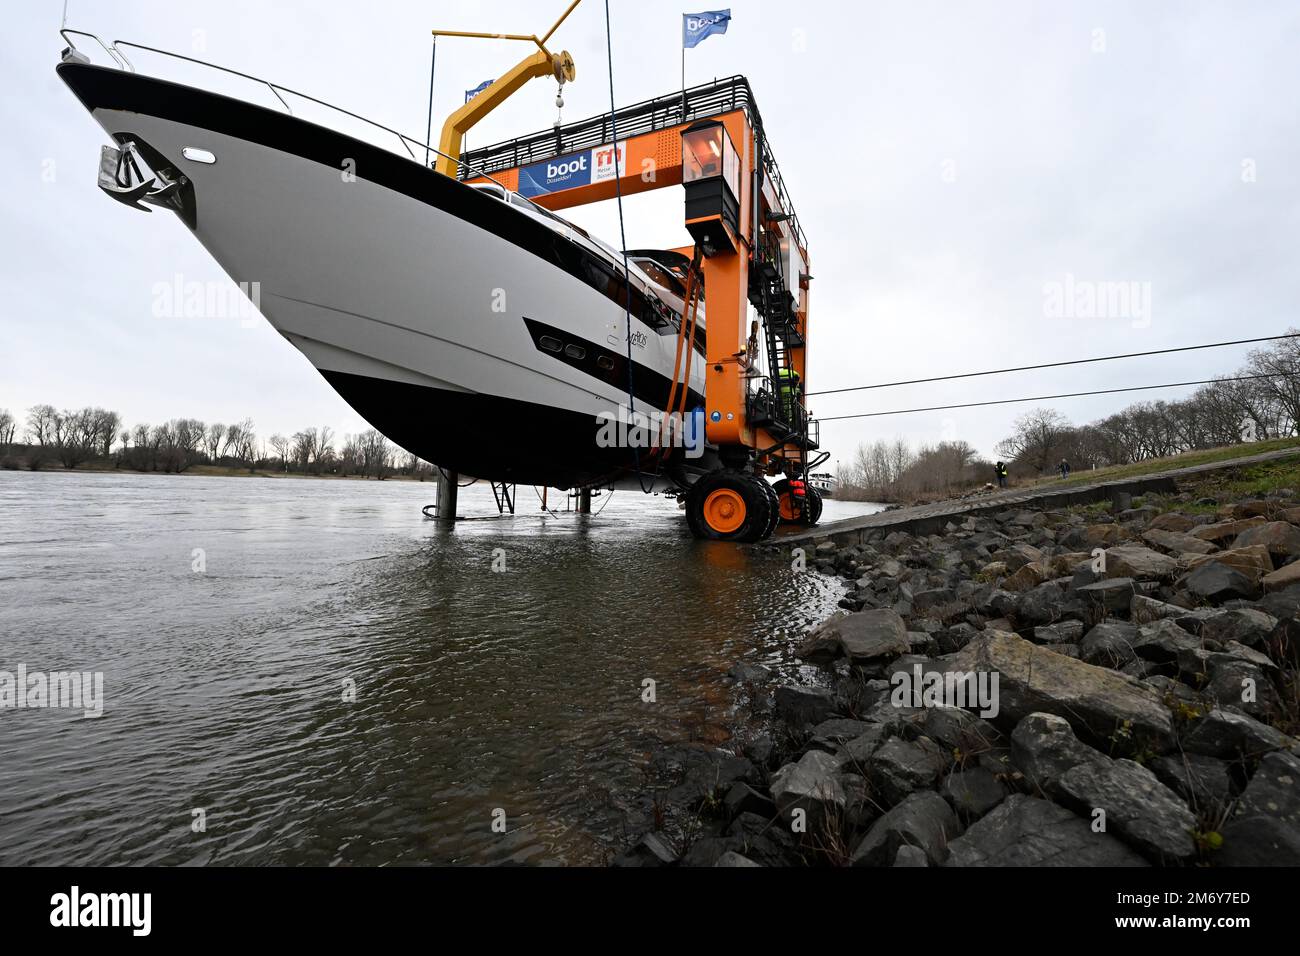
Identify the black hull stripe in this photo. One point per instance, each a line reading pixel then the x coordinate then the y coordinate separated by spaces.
pixel 105 88
pixel 651 388
pixel 485 436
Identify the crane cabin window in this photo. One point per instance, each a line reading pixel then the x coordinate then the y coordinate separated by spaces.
pixel 708 153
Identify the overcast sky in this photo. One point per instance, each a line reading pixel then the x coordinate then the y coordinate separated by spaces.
pixel 951 162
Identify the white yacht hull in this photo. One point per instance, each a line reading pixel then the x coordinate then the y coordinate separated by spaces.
pixel 421 301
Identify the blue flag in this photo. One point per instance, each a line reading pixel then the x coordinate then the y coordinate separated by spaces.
pixel 470 94
pixel 699 26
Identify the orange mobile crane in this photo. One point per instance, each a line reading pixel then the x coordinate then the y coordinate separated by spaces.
pixel 749 251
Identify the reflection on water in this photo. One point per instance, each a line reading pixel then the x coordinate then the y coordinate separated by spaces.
pixel 474 690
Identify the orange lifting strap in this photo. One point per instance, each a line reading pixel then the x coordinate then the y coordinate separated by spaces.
pixel 686 338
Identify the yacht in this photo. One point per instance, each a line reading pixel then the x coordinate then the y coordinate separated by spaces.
pixel 470 325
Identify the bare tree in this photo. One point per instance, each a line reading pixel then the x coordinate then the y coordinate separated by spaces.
pixel 350 455
pixel 40 424
pixel 1037 439
pixel 304 448
pixel 7 428
pixel 281 445
pixel 376 454
pixel 212 441
pixel 241 442
pixel 106 425
pixel 1280 389
pixel 76 436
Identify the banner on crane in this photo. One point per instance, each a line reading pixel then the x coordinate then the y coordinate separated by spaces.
pixel 701 26
pixel 603 165
pixel 564 172
pixel 577 169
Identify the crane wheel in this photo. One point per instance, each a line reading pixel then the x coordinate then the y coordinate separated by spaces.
pixel 774 503
pixel 799 508
pixel 729 506
pixel 791 501
pixel 814 506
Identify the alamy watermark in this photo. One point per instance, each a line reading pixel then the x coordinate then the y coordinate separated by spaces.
pixel 180 299
pixel 1073 298
pixel 968 690
pixel 73 690
pixel 635 429
pixel 75 909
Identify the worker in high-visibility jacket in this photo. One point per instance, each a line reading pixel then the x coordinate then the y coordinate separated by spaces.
pixel 787 387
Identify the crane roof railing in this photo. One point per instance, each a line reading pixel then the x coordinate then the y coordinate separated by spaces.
pixel 662 112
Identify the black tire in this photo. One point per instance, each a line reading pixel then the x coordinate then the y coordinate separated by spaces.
pixel 756 500
pixel 812 506
pixel 782 490
pixel 774 502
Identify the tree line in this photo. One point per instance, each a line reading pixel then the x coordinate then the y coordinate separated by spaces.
pixel 74 437
pixel 1258 401
pixel 894 471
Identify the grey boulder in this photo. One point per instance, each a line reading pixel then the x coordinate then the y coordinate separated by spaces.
pixel 900 767
pixel 1044 748
pixel 1095 700
pixel 1216 582
pixel 799 705
pixel 923 820
pixel 1265 827
pixel 1204 782
pixel 864 637
pixel 811 785
pixel 1109 644
pixel 972 792
pixel 1137 806
pixel 1028 831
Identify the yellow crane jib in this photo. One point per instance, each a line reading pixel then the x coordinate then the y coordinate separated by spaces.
pixel 540 64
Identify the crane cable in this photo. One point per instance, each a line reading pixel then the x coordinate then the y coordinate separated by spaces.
pixel 1031 368
pixel 627 271
pixel 1044 398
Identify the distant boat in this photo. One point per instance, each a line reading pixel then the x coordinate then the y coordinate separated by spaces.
pixel 824 483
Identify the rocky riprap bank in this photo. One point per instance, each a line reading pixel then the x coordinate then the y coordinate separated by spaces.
pixel 1147 681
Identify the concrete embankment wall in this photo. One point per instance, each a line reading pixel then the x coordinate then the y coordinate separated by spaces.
pixel 930 519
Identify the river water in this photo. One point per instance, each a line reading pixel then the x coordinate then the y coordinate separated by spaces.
pixel 309 672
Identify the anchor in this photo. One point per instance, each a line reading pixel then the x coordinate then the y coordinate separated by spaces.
pixel 129 179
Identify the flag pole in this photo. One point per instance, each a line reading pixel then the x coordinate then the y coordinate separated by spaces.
pixel 683 71
pixel 428 135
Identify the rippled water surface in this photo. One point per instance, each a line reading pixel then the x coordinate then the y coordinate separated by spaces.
pixel 224 689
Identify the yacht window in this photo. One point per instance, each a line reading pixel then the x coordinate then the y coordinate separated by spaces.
pixel 660 317
pixel 575 352
pixel 496 192
pixel 550 343
pixel 605 362
pixel 517 200
pixel 661 275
